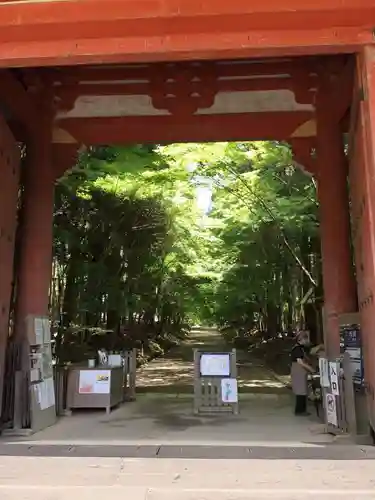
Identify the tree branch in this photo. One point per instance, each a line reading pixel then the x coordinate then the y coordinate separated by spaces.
pixel 281 231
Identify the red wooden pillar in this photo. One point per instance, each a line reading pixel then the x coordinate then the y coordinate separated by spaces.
pixel 338 274
pixel 35 265
pixel 9 188
pixel 362 153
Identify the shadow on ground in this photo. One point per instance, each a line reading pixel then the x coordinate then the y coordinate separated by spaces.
pixel 174 373
pixel 161 422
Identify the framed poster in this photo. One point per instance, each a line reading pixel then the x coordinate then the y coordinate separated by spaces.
pixel 215 365
pixel 229 390
pixel 94 381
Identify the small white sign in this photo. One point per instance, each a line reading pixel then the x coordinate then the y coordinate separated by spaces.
pixel 115 360
pixel 39 330
pixel 50 388
pixel 331 409
pixel 334 377
pixel 324 372
pixel 46 331
pixel 94 381
pixel 229 390
pixel 215 365
pixel 45 393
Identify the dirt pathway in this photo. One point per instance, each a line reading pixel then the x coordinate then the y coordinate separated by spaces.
pixel 174 372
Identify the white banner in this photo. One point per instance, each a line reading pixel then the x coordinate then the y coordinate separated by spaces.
pixel 94 381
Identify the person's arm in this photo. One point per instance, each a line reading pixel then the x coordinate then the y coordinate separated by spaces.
pixel 316 349
pixel 305 365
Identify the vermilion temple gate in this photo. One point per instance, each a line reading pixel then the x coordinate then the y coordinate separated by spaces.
pixel 82 72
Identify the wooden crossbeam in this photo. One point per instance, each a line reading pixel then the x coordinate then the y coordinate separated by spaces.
pixel 196 128
pixel 35 33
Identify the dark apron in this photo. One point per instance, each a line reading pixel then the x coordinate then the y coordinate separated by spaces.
pixel 299 379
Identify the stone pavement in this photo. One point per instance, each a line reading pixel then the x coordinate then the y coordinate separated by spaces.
pixel 166 419
pixel 155 448
pixel 163 412
pixel 170 479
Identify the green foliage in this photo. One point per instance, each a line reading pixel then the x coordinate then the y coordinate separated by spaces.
pixel 136 261
pixel 126 240
pixel 264 241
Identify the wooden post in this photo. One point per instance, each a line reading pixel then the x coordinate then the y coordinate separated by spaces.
pixel 9 189
pixel 132 375
pixel 36 238
pixel 35 255
pixel 338 274
pixel 362 189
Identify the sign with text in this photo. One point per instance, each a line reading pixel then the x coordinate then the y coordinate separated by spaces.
pixel 334 370
pixel 215 365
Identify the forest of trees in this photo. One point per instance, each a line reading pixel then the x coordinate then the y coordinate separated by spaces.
pixel 137 261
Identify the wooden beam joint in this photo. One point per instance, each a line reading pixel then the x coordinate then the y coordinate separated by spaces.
pixel 335 90
pixel 17 101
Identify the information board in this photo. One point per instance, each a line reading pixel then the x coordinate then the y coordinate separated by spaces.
pixel 350 342
pixel 215 365
pixel 94 381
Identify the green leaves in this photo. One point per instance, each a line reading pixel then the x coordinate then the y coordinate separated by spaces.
pixel 263 208
pixel 133 247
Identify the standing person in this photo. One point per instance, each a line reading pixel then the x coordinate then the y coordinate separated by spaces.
pixel 299 372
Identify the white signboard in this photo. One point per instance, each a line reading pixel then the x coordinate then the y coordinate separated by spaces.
pixel 115 360
pixel 324 372
pixel 334 376
pixel 94 381
pixel 46 331
pixel 45 393
pixel 39 330
pixel 215 365
pixel 331 409
pixel 229 390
